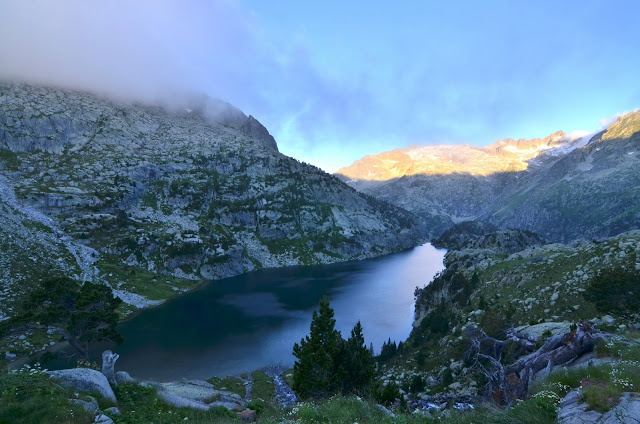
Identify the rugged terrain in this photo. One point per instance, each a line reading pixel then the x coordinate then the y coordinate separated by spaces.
pixel 153 201
pixel 559 187
pixel 504 299
pixel 504 295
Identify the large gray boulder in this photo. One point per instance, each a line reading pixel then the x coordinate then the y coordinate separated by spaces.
pixel 198 394
pixel 123 377
pixel 538 330
pixel 573 412
pixel 199 391
pixel 85 380
pixel 181 402
pixel 103 419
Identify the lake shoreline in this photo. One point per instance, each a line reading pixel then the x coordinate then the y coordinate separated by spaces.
pixel 243 323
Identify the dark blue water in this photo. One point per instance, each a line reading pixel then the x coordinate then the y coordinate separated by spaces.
pixel 251 321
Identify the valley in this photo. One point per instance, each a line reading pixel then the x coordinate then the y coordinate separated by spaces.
pixel 219 249
pixel 162 201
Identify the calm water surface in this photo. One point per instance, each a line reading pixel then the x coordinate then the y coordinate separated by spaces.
pixel 251 321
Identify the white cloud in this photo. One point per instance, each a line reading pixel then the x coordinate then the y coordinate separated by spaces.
pixel 139 49
pixel 606 122
pixel 576 134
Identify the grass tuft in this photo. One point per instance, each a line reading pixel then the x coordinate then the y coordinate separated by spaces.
pixel 29 396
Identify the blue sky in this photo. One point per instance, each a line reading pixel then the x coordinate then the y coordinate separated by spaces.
pixel 453 72
pixel 335 80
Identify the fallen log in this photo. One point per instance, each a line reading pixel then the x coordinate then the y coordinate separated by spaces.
pixel 510 382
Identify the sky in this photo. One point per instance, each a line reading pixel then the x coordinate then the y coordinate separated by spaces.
pixel 334 81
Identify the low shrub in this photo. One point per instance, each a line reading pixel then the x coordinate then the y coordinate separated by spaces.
pixel 615 291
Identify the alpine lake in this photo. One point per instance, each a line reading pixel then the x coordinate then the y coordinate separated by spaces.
pixel 248 322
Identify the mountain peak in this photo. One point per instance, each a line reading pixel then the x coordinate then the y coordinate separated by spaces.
pixel 624 127
pixel 93 116
pixel 504 155
pixel 253 128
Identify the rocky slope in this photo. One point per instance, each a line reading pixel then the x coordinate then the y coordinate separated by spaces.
pixel 492 308
pixel 501 156
pixel 153 202
pixel 559 187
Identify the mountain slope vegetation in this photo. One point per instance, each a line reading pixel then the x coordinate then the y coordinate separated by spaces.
pixel 153 201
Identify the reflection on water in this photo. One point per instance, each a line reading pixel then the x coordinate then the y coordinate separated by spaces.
pixel 251 321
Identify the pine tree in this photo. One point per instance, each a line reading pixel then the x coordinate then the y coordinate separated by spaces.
pixel 388 351
pixel 81 314
pixel 315 371
pixel 358 363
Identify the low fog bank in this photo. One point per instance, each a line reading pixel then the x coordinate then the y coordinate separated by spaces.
pixel 175 54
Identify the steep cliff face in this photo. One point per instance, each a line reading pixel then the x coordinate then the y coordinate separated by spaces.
pixel 167 199
pixel 559 187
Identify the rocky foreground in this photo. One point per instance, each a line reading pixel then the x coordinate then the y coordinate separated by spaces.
pixel 513 318
pixel 193 394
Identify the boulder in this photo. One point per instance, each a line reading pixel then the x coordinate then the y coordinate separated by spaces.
pixel 102 419
pixel 231 406
pixel 85 380
pixel 537 331
pixel 198 394
pixel 112 411
pixel 608 320
pixel 123 377
pixel 88 403
pixel 181 402
pixel 199 391
pixel 571 411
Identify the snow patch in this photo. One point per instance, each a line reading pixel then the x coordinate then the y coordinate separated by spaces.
pixel 575 144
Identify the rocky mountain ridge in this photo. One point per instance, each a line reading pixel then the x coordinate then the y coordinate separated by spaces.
pixel 502 156
pixel 565 189
pixel 157 201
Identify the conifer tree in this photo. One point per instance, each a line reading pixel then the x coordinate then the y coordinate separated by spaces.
pixel 388 351
pixel 81 314
pixel 358 363
pixel 327 364
pixel 315 371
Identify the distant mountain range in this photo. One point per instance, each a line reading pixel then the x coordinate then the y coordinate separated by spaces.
pixel 560 186
pixel 501 156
